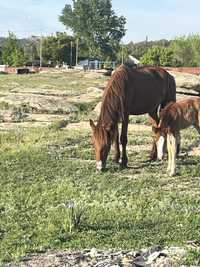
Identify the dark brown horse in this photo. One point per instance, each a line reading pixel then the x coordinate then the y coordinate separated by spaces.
pixel 129 92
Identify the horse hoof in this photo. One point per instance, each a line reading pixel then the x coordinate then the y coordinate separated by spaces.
pixel 123 165
pixel 171 174
pixel 152 158
pixel 116 160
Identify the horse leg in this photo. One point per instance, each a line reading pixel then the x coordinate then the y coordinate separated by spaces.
pixel 123 139
pixel 154 121
pixel 116 145
pixel 178 139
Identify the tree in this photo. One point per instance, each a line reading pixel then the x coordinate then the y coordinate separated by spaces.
pixel 32 50
pixel 58 49
pixel 157 56
pixel 139 49
pixel 13 54
pixel 186 51
pixel 96 23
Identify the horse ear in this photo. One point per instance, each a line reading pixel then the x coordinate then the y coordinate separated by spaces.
pixel 92 125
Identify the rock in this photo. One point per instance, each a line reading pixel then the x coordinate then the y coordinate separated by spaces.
pixel 163 262
pixel 39 103
pixel 154 257
pixel 186 80
pixel 93 253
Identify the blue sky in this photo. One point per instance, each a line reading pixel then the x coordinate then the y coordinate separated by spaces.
pixel 156 19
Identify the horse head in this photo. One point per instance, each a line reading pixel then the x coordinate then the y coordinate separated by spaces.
pixel 101 139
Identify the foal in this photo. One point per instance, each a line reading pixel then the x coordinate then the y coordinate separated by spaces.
pixel 173 118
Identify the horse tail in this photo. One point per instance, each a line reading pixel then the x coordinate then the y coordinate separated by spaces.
pixel 172 87
pixel 170 90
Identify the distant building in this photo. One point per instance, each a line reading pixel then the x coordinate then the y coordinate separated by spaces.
pixel 92 64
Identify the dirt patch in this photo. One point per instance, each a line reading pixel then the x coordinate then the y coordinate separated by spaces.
pixel 86 126
pixel 5 126
pixel 38 103
pixel 195 151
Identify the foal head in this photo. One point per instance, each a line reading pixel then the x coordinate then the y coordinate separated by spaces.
pixel 101 140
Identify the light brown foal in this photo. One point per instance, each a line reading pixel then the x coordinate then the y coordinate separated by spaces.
pixel 173 118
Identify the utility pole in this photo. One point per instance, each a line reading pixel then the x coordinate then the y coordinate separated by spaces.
pixel 41 51
pixel 122 54
pixel 71 53
pixel 76 51
pixel 146 42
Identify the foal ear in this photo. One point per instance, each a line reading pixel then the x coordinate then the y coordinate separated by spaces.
pixel 92 125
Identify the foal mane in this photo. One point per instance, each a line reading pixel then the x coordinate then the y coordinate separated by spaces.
pixel 169 107
pixel 112 108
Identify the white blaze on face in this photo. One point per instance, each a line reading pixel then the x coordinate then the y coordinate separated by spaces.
pixel 160 147
pixel 99 165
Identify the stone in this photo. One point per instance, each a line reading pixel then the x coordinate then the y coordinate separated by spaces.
pixel 39 103
pixel 186 80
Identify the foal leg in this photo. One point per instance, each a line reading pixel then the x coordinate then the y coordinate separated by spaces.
pixel 116 145
pixel 154 121
pixel 171 146
pixel 198 129
pixel 169 149
pixel 123 139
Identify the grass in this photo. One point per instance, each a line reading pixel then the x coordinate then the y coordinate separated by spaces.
pixel 71 83
pixel 43 170
pixel 52 197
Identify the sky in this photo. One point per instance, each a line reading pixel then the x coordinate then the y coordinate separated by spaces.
pixel 157 19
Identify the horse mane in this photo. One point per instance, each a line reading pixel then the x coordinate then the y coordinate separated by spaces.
pixel 112 108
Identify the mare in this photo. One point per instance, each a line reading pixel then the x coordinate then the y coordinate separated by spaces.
pixel 129 92
pixel 173 118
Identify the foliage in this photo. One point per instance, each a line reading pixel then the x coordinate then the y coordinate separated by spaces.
pixel 157 56
pixel 13 54
pixel 57 49
pixel 96 23
pixel 186 51
pixel 139 49
pixel 32 50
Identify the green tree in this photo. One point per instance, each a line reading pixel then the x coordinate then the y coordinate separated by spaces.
pixel 182 52
pixel 32 50
pixel 59 48
pixel 157 56
pixel 96 23
pixel 186 51
pixel 18 58
pixel 13 54
pixel 139 49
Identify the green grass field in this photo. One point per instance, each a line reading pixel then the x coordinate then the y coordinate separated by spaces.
pixel 52 197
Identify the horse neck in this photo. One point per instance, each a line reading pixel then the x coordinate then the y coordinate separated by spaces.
pixel 109 115
pixel 112 108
